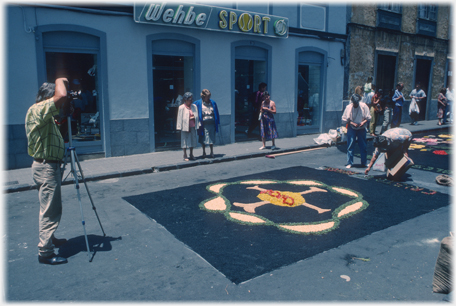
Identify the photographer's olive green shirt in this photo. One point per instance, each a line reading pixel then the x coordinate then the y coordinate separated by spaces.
pixel 43 134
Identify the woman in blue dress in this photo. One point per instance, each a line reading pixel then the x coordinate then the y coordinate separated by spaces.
pixel 268 126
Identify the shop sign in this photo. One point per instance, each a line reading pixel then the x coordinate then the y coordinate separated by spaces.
pixel 205 17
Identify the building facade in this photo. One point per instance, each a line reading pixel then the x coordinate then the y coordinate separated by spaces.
pixel 129 66
pixel 407 43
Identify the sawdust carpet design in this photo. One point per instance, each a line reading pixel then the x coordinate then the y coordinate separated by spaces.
pixel 235 240
pixel 286 200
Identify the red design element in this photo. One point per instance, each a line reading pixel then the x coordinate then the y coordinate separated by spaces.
pixel 440 152
pixel 285 199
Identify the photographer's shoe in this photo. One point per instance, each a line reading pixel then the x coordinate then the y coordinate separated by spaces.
pixel 52 260
pixel 58 242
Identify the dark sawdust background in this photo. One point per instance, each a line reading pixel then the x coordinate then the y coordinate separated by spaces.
pixel 242 252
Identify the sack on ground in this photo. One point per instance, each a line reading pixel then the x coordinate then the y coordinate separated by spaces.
pixel 379 164
pixel 323 139
pixel 442 272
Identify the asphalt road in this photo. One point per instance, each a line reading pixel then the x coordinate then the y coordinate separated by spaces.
pixel 140 260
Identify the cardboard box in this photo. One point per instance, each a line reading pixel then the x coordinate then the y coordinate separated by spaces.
pixel 398 170
pixel 393 158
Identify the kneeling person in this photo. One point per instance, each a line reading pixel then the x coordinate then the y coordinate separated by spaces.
pixel 390 141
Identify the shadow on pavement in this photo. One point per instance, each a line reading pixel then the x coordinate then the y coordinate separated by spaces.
pixel 78 244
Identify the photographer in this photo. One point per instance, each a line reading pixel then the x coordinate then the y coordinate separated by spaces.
pixel 46 146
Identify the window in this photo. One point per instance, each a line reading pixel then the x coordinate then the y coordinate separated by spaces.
pixel 428 12
pixel 389 15
pixel 391 7
pixel 427 20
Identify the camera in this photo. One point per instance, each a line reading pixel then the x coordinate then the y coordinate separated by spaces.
pixel 72 94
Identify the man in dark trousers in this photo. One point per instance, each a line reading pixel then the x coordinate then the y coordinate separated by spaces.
pixel 46 146
pixel 256 103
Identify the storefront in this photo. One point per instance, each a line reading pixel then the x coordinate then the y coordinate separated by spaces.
pixel 130 66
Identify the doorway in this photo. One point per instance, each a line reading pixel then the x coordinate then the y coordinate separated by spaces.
pixel 248 76
pixel 386 73
pixel 172 77
pixel 81 69
pixel 422 75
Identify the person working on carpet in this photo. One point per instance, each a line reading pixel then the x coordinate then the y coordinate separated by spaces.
pixel 390 141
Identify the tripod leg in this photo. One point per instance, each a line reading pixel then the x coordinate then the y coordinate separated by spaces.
pixel 88 192
pixel 76 181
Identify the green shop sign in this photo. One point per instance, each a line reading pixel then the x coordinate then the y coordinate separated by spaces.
pixel 211 18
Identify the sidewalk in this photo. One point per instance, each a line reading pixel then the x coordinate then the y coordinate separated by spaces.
pixel 113 167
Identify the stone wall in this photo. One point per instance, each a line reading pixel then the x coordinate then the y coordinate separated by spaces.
pixel 365 39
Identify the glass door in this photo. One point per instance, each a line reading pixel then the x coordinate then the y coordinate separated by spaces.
pixel 172 77
pixel 309 102
pixel 248 75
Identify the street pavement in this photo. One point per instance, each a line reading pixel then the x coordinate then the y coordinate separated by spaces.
pixel 139 260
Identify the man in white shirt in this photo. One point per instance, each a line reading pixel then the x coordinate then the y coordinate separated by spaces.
pixel 418 95
pixel 356 115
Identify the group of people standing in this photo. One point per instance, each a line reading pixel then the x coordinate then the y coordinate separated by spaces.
pixel 199 121
pixel 368 103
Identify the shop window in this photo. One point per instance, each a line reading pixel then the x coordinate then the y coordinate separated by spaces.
pixel 81 71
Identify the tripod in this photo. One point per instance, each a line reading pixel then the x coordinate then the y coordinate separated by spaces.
pixel 79 176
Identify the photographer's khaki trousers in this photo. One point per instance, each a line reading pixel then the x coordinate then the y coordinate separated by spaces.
pixel 48 180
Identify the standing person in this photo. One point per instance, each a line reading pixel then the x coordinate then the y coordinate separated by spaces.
pixel 367 88
pixel 398 100
pixel 417 96
pixel 356 114
pixel 267 127
pixel 46 146
pixel 187 120
pixel 256 104
pixel 442 103
pixel 450 96
pixel 387 106
pixel 209 120
pixel 375 109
